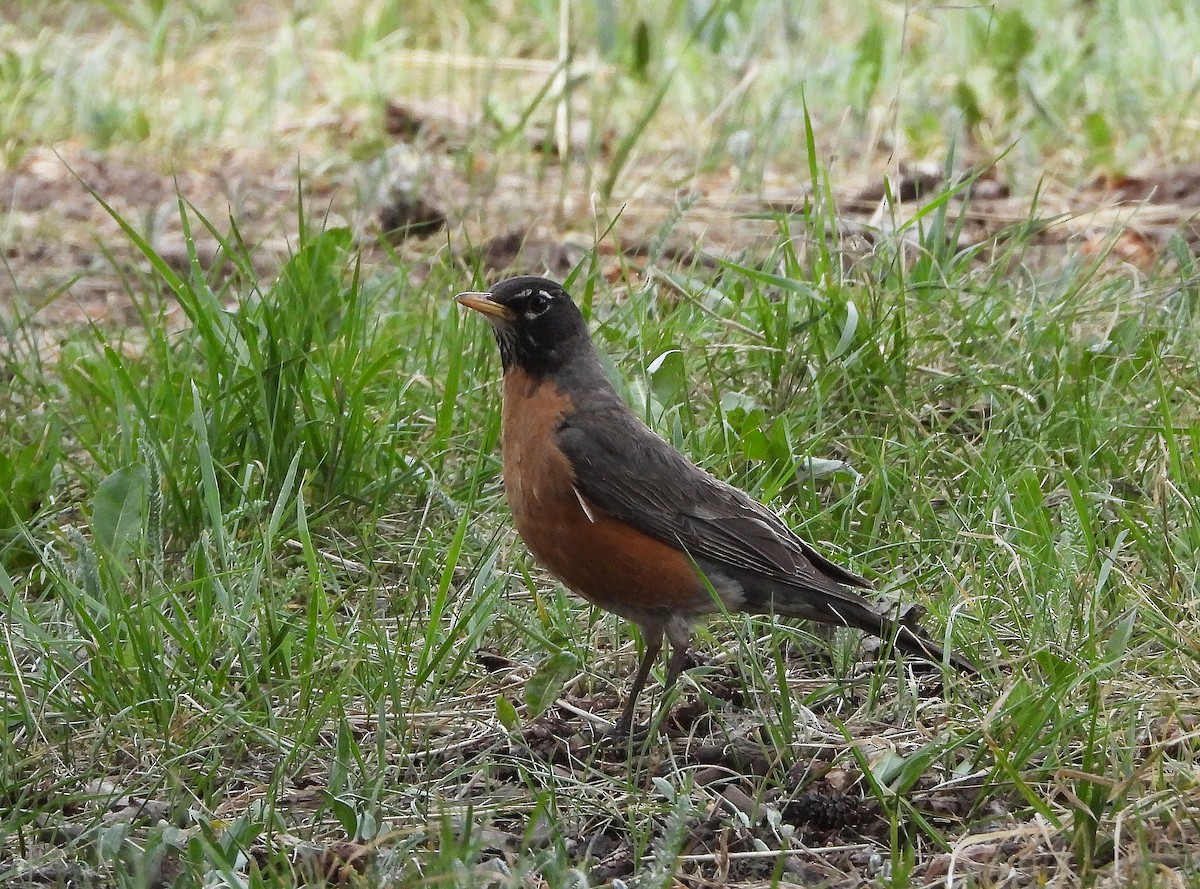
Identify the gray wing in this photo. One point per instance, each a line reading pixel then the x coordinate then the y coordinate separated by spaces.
pixel 638 478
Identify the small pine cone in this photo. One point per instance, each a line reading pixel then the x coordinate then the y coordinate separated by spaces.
pixel 827 811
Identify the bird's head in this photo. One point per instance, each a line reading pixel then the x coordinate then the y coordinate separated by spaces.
pixel 537 326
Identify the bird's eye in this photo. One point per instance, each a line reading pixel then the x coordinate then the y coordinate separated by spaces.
pixel 538 303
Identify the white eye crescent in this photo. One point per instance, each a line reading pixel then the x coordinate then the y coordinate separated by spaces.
pixel 538 304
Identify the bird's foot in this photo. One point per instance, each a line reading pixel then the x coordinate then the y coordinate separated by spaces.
pixel 620 736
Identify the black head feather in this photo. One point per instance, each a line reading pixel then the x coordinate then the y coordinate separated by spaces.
pixel 537 326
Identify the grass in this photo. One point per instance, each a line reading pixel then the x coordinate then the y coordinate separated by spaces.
pixel 264 619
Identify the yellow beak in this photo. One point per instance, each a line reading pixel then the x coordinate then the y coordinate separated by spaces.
pixel 483 303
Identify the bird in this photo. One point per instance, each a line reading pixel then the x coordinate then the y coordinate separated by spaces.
pixel 629 523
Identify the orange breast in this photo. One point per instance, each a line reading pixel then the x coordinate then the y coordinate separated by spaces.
pixel 606 561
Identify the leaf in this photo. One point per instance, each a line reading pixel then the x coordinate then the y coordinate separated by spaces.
pixel 668 377
pixel 968 103
pixel 506 713
pixel 886 766
pixel 640 66
pixel 816 467
pixel 665 788
pixel 544 686
pixel 345 813
pixel 848 331
pixel 737 402
pixel 1098 131
pixel 119 508
pixel 748 425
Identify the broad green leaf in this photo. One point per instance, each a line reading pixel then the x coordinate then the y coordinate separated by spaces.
pixel 506 713
pixel 543 687
pixel 668 377
pixel 119 508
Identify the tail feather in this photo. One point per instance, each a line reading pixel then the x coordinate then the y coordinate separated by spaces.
pixel 902 630
pixel 836 605
pixel 914 641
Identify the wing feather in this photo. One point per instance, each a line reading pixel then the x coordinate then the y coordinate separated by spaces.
pixel 638 478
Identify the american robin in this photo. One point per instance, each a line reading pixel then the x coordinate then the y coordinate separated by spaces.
pixel 629 523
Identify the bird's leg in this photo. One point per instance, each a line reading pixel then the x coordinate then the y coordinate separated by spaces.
pixel 653 647
pixel 674 669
